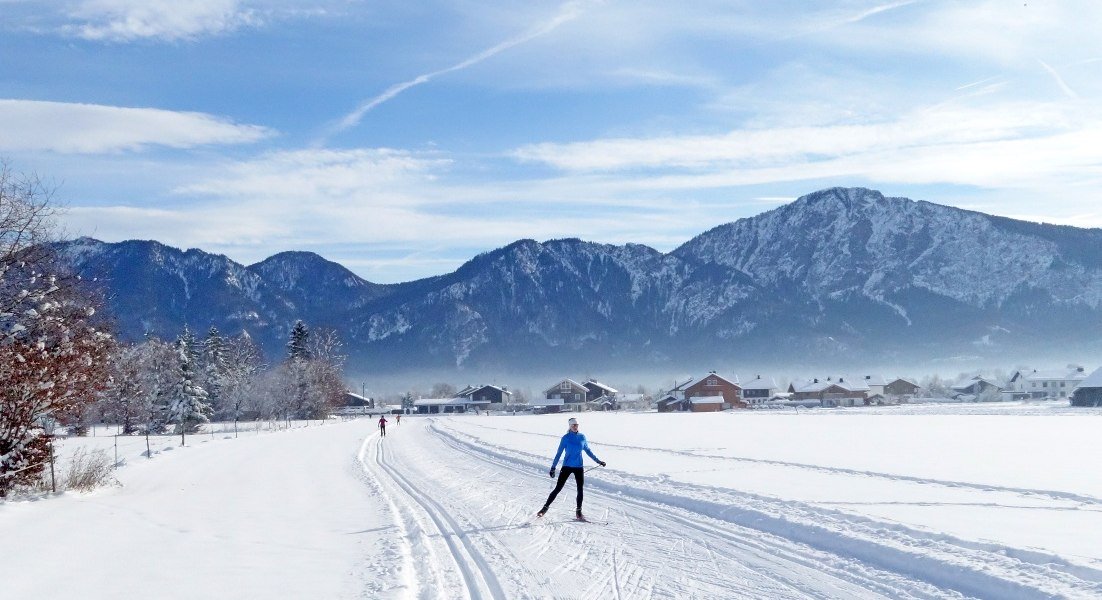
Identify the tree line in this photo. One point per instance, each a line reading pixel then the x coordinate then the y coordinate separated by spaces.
pixel 60 366
pixel 157 386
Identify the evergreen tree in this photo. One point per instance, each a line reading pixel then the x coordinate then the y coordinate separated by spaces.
pixel 215 370
pixel 190 345
pixel 159 366
pixel 298 358
pixel 298 347
pixel 190 407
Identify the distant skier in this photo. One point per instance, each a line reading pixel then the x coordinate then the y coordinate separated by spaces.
pixel 573 443
pixel 382 426
pixel 398 419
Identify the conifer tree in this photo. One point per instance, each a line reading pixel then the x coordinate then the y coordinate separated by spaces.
pixel 190 407
pixel 297 365
pixel 159 366
pixel 215 370
pixel 298 347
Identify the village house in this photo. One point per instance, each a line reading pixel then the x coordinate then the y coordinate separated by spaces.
pixel 356 404
pixel 974 387
pixel 671 403
pixel 674 400
pixel 600 396
pixel 487 396
pixel 901 389
pixel 831 393
pixel 433 406
pixel 758 390
pixel 889 391
pixel 714 384
pixel 1089 391
pixel 1055 383
pixel 595 390
pixel 876 384
pixel 566 395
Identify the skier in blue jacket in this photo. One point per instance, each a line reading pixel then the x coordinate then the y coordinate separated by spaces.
pixel 572 444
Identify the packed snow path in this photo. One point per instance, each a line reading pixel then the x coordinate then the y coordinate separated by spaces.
pixel 466 506
pixel 691 506
pixel 467 518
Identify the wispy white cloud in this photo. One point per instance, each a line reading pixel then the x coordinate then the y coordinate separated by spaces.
pixel 663 77
pixel 566 13
pixel 323 174
pixel 92 128
pixel 1000 33
pixel 750 148
pixel 126 20
pixel 1041 163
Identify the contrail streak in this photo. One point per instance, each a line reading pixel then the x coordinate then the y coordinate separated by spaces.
pixel 1070 93
pixel 567 12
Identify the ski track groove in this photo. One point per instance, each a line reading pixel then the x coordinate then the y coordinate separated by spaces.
pixel 615 576
pixel 472 565
pixel 409 568
pixel 1083 499
pixel 783 585
pixel 881 546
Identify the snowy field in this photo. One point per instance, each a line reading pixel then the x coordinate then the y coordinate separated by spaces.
pixel 932 501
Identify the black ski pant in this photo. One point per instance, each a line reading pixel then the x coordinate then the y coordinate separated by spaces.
pixel 382 430
pixel 564 474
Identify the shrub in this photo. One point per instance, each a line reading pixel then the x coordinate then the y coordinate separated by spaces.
pixel 87 471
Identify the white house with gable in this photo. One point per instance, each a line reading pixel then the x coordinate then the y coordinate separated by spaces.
pixel 759 390
pixel 1053 383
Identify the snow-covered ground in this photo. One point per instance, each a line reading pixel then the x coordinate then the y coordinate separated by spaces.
pixel 934 501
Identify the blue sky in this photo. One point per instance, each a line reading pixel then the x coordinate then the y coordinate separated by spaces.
pixel 402 138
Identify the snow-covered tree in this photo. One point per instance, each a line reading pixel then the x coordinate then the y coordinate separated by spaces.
pixel 142 377
pixel 215 370
pixel 311 378
pixel 935 386
pixel 159 366
pixel 310 383
pixel 325 345
pixel 122 397
pixel 51 348
pixel 189 406
pixel 240 392
pixel 298 347
pixel 187 343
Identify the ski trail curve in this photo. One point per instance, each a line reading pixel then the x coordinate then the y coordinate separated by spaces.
pixel 478 578
pixel 747 523
pixel 753 564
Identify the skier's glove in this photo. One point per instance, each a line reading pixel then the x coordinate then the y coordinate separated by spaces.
pixel 552 472
pixel 601 462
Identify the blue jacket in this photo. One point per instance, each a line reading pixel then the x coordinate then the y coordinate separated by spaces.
pixel 573 444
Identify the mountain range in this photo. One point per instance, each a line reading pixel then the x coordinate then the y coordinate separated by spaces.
pixel 842 276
